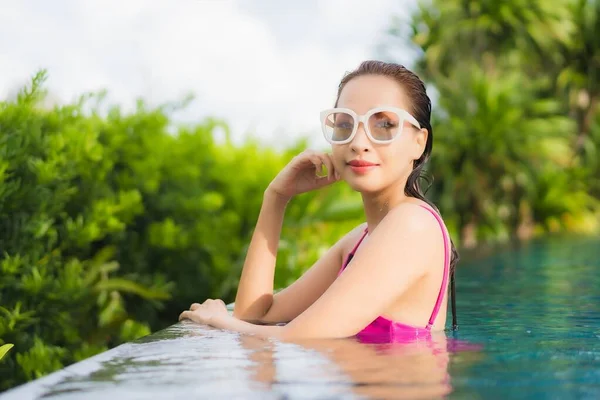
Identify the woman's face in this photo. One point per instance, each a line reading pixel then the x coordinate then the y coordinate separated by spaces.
pixel 392 162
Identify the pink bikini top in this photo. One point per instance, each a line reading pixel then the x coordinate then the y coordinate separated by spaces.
pixel 383 329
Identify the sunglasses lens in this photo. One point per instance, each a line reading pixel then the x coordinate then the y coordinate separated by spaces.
pixel 385 125
pixel 338 126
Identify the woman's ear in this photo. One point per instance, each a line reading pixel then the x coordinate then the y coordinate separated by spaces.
pixel 420 142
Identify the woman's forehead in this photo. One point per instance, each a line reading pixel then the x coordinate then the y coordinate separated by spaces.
pixel 369 91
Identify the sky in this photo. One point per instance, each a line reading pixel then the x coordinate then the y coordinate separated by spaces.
pixel 267 67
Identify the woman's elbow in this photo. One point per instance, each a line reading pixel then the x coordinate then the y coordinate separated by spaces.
pixel 255 311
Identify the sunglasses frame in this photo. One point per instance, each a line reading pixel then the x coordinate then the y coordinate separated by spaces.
pixel 403 114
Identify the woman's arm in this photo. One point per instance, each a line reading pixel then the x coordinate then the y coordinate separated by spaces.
pixel 296 298
pixel 255 300
pixel 254 297
pixel 403 248
pixel 399 252
pixel 255 292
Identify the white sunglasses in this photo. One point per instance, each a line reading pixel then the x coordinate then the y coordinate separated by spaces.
pixel 382 124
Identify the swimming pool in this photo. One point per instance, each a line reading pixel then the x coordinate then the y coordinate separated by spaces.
pixel 529 318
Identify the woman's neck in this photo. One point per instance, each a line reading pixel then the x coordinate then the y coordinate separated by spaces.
pixel 377 205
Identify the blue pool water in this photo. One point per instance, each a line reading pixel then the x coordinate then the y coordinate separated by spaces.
pixel 536 311
pixel 529 318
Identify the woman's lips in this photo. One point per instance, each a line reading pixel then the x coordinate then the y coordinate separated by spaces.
pixel 361 166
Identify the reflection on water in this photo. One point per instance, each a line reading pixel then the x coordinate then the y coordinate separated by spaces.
pixel 529 328
pixel 190 360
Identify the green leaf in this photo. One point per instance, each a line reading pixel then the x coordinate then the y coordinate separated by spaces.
pixel 127 286
pixel 4 349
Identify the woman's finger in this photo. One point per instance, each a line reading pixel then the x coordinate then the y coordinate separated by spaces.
pixel 329 164
pixel 222 302
pixel 336 175
pixel 185 315
pixel 317 161
pixel 305 158
pixel 195 306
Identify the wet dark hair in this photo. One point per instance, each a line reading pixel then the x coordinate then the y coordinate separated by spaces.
pixel 420 108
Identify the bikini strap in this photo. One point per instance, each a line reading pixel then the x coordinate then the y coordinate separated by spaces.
pixel 351 254
pixel 440 297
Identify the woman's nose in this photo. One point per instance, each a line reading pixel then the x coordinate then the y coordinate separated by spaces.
pixel 360 142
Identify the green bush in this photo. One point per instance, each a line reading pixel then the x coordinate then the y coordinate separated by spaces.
pixel 112 225
pixel 61 298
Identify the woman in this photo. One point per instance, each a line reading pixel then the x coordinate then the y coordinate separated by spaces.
pixel 386 279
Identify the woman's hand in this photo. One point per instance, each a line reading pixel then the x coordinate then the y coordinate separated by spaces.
pixel 204 313
pixel 303 174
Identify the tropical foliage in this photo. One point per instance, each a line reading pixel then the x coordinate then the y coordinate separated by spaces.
pixel 517 117
pixel 112 225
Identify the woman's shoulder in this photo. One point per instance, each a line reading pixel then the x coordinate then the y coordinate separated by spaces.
pixel 411 202
pixel 415 215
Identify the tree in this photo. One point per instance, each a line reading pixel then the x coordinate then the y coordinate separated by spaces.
pixel 504 132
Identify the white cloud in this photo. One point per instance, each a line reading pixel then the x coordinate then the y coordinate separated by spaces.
pixel 270 65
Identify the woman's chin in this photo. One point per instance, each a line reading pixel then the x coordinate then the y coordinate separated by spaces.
pixel 363 186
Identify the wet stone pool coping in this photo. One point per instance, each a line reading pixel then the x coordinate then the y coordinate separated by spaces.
pixel 187 360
